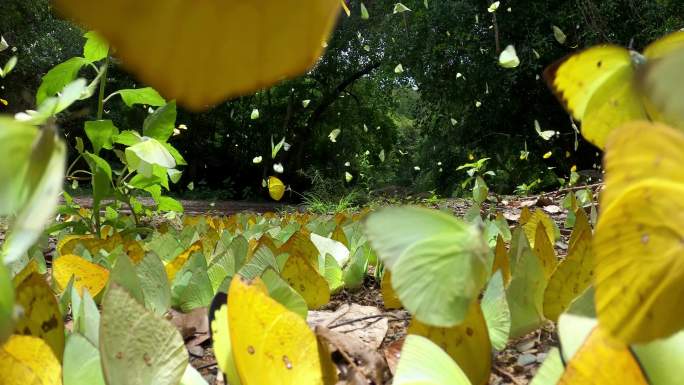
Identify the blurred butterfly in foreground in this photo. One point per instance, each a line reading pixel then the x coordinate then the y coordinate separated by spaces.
pixel 607 85
pixel 202 52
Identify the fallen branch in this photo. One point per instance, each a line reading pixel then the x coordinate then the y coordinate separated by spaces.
pixel 504 373
pixel 374 317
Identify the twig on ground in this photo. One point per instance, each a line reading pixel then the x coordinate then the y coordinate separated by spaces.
pixel 374 317
pixel 506 374
pixel 207 365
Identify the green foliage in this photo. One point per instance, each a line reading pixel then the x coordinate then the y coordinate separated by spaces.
pixel 147 161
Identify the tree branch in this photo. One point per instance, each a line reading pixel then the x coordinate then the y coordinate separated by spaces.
pixel 330 97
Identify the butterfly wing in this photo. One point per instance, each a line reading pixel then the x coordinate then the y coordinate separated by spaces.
pixel 271 345
pixel 276 188
pixel 597 87
pixel 661 80
pixel 203 52
pixel 664 46
pixel 615 103
pixel 638 243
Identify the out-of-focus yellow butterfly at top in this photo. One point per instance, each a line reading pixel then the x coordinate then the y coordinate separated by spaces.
pixel 606 86
pixel 201 52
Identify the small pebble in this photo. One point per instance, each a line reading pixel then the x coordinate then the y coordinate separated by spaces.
pixel 526 359
pixel 525 346
pixel 196 351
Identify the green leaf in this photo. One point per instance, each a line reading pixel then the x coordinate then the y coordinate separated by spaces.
pixel 93 85
pixel 143 182
pixel 496 312
pixel 525 293
pixel 660 358
pixel 169 204
pixel 50 106
pixel 438 263
pixel 424 363
pixel 149 152
pixel 480 190
pixel 95 48
pixel 58 77
pixel 160 124
pixel 128 138
pixel 279 290
pixel 101 134
pixel 154 283
pixel 147 96
pixel 551 370
pixel 70 94
pixel 138 347
pixel 102 177
pixel 81 362
pixel 180 161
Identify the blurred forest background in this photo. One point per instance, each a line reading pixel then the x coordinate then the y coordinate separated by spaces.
pixel 405 127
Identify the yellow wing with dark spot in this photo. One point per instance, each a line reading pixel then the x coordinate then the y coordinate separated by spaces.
pixel 575 79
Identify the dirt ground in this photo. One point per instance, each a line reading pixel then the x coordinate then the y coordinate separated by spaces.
pixel 516 364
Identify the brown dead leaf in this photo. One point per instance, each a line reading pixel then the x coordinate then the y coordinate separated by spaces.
pixel 511 216
pixel 552 209
pixel 528 203
pixel 392 354
pixel 190 324
pixel 357 363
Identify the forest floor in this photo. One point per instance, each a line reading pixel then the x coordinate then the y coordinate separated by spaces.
pixel 361 312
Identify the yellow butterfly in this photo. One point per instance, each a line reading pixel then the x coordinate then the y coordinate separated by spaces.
pixel 601 86
pixel 203 52
pixel 276 188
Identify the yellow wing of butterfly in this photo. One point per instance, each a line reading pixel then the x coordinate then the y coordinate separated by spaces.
pixel 468 343
pixel 28 360
pixel 276 188
pixel 41 316
pixel 201 53
pixel 662 79
pixel 665 45
pixel 271 345
pixel 596 86
pixel 602 361
pixel 638 241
